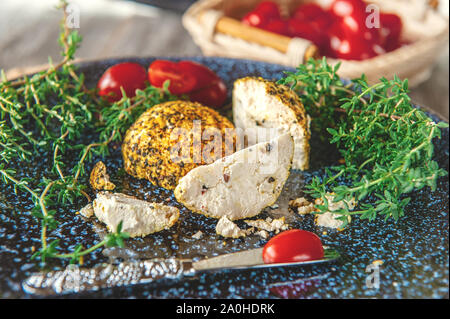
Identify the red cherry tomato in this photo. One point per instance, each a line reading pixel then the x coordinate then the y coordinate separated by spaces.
pixel 255 19
pixel 200 83
pixel 293 246
pixel 277 26
pixel 309 12
pixel 306 30
pixel 203 76
pixel 181 81
pixel 129 76
pixel 344 8
pixel 262 14
pixel 213 95
pixel 269 9
pixel 343 46
pixel 353 16
pixel 391 29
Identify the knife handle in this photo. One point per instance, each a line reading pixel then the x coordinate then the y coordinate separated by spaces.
pixel 75 279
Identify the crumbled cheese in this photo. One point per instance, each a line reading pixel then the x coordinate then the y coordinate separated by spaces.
pixel 377 262
pixel 328 219
pixel 262 233
pixel 198 235
pixel 270 225
pixel 87 211
pixel 227 228
pixel 302 206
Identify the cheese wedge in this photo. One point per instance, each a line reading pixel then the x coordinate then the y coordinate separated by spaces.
pixel 239 185
pixel 139 218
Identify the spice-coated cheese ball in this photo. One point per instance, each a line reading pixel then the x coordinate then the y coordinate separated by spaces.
pixel 149 143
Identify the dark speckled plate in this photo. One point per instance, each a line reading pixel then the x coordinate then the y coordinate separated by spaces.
pixel 413 251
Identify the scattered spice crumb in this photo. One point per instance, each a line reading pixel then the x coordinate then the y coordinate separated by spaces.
pixel 198 235
pixel 269 225
pixel 377 262
pixel 301 205
pixel 330 220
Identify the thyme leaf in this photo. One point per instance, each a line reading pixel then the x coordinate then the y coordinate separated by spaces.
pixel 48 113
pixel 386 143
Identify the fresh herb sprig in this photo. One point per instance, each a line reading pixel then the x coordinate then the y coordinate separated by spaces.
pixel 48 113
pixel 386 143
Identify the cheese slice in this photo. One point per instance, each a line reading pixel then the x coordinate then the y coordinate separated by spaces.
pixel 262 104
pixel 239 185
pixel 139 218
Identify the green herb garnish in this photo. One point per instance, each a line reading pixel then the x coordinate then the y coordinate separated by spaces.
pixel 385 142
pixel 48 113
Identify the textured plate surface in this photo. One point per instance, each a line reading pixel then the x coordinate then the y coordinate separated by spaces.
pixel 414 250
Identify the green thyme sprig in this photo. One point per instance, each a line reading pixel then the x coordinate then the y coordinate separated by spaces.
pixel 386 143
pixel 48 113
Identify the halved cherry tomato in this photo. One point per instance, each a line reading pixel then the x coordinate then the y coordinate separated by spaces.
pixel 213 95
pixel 129 76
pixel 200 83
pixel 293 245
pixel 209 89
pixel 391 29
pixel 181 81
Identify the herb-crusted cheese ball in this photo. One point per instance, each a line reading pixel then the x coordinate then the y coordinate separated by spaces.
pixel 147 145
pixel 261 103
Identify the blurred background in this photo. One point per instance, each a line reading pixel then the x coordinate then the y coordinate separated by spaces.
pixel 118 28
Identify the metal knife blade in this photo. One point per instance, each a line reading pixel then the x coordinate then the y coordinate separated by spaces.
pixel 75 279
pixel 244 258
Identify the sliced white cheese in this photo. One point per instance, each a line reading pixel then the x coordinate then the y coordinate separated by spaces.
pixel 139 218
pixel 240 185
pixel 258 103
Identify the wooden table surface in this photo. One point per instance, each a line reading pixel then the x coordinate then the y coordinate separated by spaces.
pixel 117 28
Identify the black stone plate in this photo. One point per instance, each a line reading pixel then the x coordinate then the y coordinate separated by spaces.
pixel 413 251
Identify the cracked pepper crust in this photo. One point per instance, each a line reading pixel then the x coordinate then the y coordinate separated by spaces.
pixel 289 98
pixel 146 146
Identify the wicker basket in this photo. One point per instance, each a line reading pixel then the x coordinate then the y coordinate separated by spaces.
pixel 424 28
